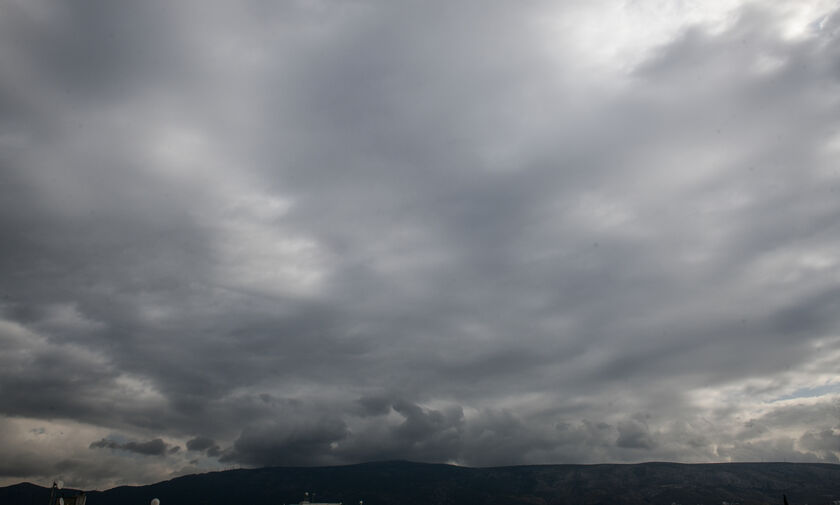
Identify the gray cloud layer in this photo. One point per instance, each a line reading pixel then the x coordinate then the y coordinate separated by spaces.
pixel 305 233
pixel 156 447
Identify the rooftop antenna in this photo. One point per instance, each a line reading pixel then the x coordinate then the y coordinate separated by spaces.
pixel 57 484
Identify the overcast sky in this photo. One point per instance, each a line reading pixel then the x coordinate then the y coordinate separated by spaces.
pixel 479 232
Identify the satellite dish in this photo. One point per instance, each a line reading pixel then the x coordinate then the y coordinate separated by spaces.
pixel 59 484
pixel 155 501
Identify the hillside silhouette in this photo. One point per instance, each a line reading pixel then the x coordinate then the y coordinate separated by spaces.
pixel 386 483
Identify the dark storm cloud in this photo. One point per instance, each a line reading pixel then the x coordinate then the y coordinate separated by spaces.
pixel 304 442
pixel 305 233
pixel 421 434
pixel 634 434
pixel 374 406
pixel 156 447
pixel 202 444
pixel 825 443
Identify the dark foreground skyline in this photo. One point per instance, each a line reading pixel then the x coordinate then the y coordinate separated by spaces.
pixel 310 232
pixel 405 483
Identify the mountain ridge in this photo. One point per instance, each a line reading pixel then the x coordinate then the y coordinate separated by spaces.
pixel 409 483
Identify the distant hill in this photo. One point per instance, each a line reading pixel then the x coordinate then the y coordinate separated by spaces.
pixel 392 483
